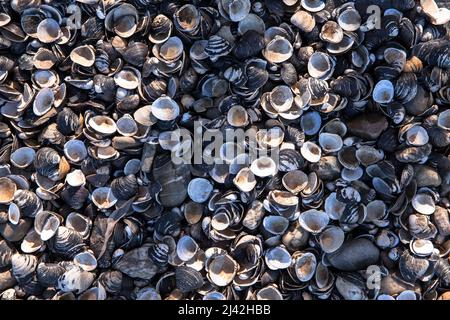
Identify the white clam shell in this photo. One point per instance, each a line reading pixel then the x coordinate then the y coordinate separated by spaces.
pixel 383 92
pixel 331 239
pixel 264 167
pixel 86 261
pixel 313 220
pixel 245 180
pixel 186 248
pixel 165 108
pixel 103 198
pixel 75 150
pixel 277 258
pixel 311 151
pixel 305 266
pixel 330 142
pixel 76 178
pixel 423 203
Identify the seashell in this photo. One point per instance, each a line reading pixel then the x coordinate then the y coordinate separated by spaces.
pixel 331 32
pixel 304 264
pixel 23 157
pixel 67 122
pixel 253 215
pixel 46 224
pixel 186 248
pixel 368 155
pixel 276 225
pixel 188 279
pixel 311 152
pixel 6 252
pixel 126 126
pixel 75 150
pixel 269 292
pixel 79 223
pixel 47 274
pixel 237 116
pixel 443 120
pixel 111 281
pixel 277 258
pixel 417 136
pixel 76 178
pixel 221 269
pixel 234 10
pixel 13 233
pixel 313 221
pixel 193 212
pixel 354 255
pixel 7 188
pixel 217 47
pixel 103 198
pixel 122 20
pixel 75 279
pixel 351 287
pixel 383 92
pixel 83 55
pixel 421 247
pixel 330 142
pixel 313 5
pixel 23 266
pixel 321 66
pixel 263 167
pixel 128 78
pixel 311 123
pixel 164 108
pixel 160 29
pixel 295 181
pixel 423 203
pixel 85 260
pixel 199 190
pixel 13 213
pixel 303 20
pixel 43 101
pixel 412 268
pixel 48 31
pixel 278 50
pixel 123 188
pixel 331 239
pixel 349 20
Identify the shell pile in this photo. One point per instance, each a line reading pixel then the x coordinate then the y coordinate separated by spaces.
pixel 93 207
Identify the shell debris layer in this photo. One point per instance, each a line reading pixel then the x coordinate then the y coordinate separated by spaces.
pixel 106 191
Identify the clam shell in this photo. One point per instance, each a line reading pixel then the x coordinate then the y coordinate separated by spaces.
pixel 7 188
pixel 46 224
pixel 23 266
pixel 331 239
pixel 83 55
pixel 423 203
pixel 278 50
pixel 221 269
pixel 245 180
pixel 186 248
pixel 295 181
pixel 188 279
pixel 263 167
pixel 86 261
pixel 305 264
pixel 103 198
pixel 276 225
pixel 75 150
pixel 23 157
pixel 277 258
pixel 164 108
pixel 311 152
pixel 199 190
pixel 313 221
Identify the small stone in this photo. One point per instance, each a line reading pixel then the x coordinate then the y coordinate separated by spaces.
pixel 355 255
pixel 368 125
